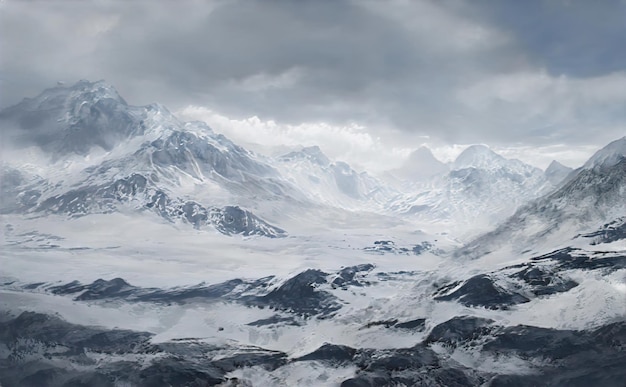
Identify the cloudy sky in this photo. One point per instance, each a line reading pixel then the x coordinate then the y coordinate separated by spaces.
pixel 368 81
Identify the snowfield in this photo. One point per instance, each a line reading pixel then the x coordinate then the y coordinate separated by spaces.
pixel 139 250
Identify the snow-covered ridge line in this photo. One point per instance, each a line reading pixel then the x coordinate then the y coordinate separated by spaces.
pixel 89 124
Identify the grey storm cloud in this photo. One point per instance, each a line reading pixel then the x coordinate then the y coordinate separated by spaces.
pixel 578 38
pixel 492 72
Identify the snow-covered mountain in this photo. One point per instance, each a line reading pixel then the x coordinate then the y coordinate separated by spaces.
pixel 74 120
pixel 88 143
pixel 123 156
pixel 332 183
pixel 608 156
pixel 420 165
pixel 110 277
pixel 94 153
pixel 557 172
pixel 481 189
pixel 551 319
pixel 594 195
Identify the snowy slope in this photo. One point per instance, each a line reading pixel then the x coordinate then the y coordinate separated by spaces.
pixel 332 183
pixel 593 196
pixel 64 120
pixel 482 189
pixel 268 320
pixel 115 270
pixel 557 172
pixel 608 156
pixel 85 142
pixel 100 154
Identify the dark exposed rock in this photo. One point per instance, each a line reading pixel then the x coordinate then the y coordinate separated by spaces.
pixel 349 276
pixel 199 292
pixel 117 288
pixel 570 258
pixel 384 247
pixel 300 295
pixel 47 328
pixel 571 358
pixel 90 379
pixel 95 198
pixel 534 341
pixel 234 220
pixel 34 285
pixel 367 380
pixel 399 359
pixel 269 360
pixel 173 371
pixel 274 320
pixel 100 288
pixel 385 323
pixel 47 351
pixel 137 190
pixel 459 329
pixel 518 381
pixel 422 247
pixel 417 324
pixel 610 232
pixel 43 377
pixel 330 353
pixel 416 366
pixel 544 283
pixel 480 290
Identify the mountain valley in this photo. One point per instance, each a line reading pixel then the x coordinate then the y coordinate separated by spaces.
pixel 141 250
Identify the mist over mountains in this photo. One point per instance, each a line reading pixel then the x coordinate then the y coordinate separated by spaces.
pixel 172 157
pixel 247 269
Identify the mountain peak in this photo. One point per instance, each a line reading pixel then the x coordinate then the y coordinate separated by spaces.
pixel 72 119
pixel 311 153
pixel 422 153
pixel 554 165
pixel 556 172
pixel 478 156
pixel 94 91
pixel 608 156
pixel 71 97
pixel 421 164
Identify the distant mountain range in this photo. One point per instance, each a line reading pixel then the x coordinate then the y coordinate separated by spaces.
pixel 145 159
pixel 487 271
pixel 591 197
pixel 480 188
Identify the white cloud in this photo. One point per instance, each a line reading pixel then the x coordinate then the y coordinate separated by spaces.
pixel 406 72
pixel 542 156
pixel 98 24
pixel 357 145
pixel 264 81
pixel 533 99
pixel 437 29
pixel 352 143
pixel 538 156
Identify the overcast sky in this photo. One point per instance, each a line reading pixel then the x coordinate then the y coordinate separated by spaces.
pixel 366 80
